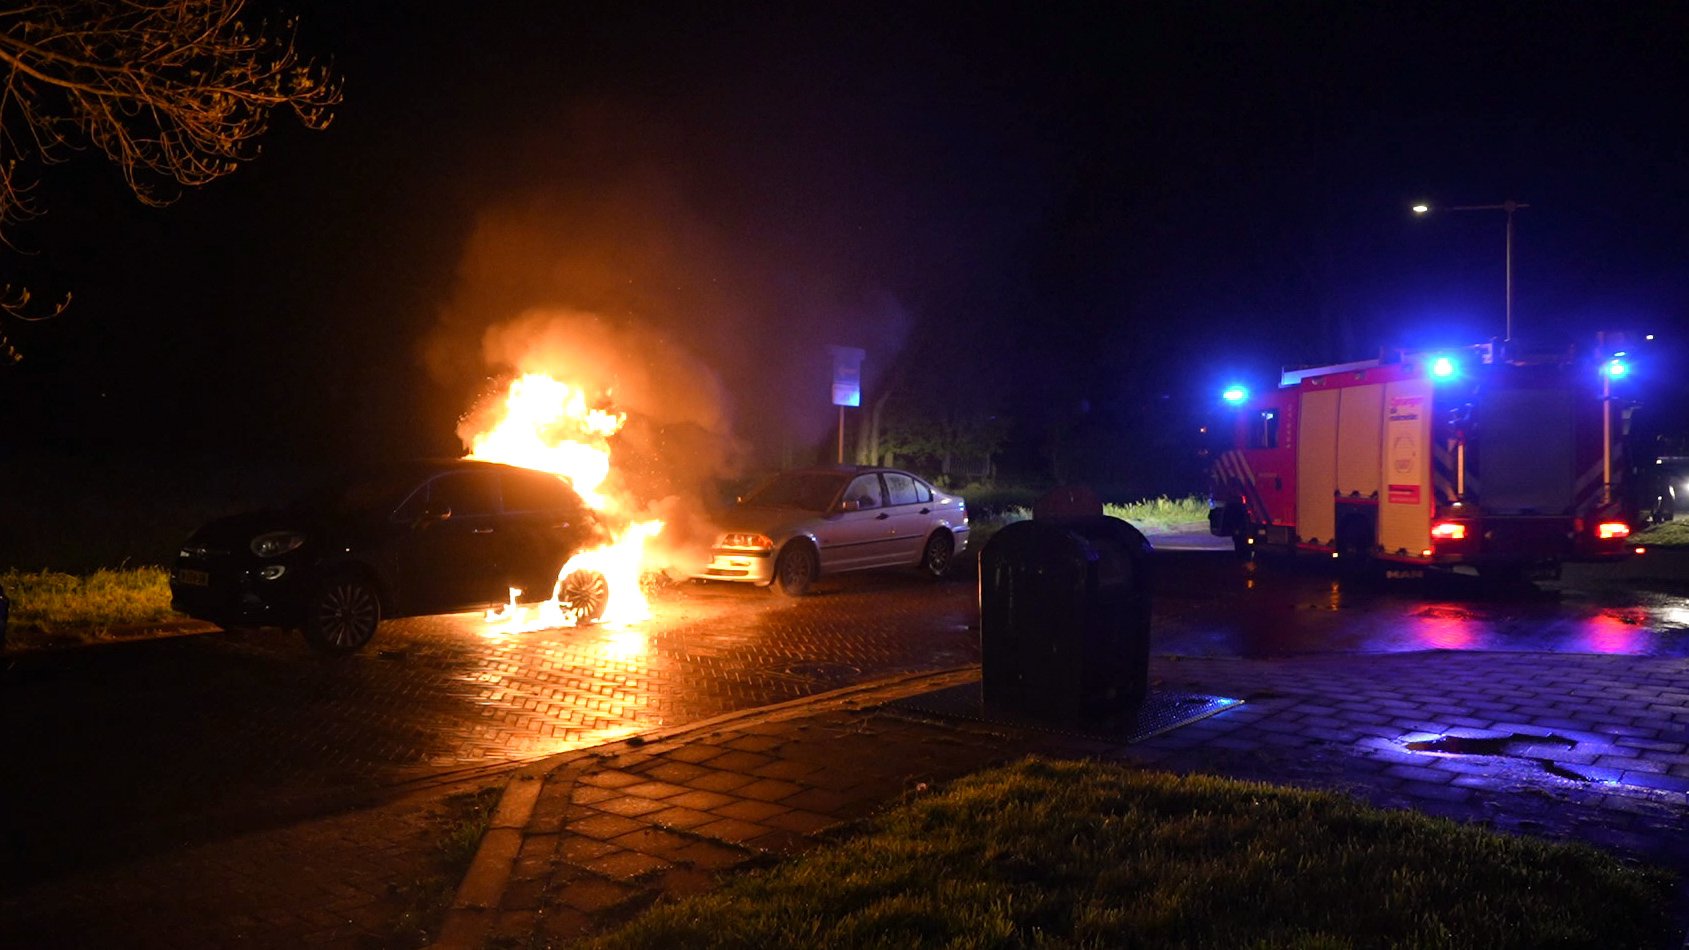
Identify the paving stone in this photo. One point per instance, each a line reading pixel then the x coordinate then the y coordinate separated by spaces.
pixel 750 810
pixel 693 753
pixel 653 841
pixel 592 895
pixel 732 830
pixel 710 856
pixel 700 800
pixel 740 761
pixel 610 778
pixel 769 790
pixel 720 781
pixel 603 826
pixel 680 773
pixel 630 806
pixel 682 818
pixel 578 850
pixel 626 865
pixel 654 790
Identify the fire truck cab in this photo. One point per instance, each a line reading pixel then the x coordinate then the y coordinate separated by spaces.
pixel 1475 460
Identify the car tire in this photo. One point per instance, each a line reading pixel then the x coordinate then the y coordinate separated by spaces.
pixel 343 614
pixel 583 595
pixel 795 569
pixel 938 554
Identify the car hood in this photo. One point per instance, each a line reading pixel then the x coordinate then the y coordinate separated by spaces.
pixel 777 523
pixel 234 532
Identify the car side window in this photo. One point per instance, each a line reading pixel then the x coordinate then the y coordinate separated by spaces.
pixel 535 491
pixel 923 492
pixel 865 491
pixel 900 489
pixel 468 494
pixel 411 509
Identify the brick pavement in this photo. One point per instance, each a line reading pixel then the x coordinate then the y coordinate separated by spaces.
pixel 1597 750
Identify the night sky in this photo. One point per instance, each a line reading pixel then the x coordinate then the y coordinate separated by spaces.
pixel 1084 218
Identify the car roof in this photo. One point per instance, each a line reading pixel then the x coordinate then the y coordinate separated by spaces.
pixel 844 470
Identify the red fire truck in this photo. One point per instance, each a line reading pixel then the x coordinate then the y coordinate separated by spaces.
pixel 1478 460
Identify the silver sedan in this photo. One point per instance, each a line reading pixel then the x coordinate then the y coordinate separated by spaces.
pixel 804 523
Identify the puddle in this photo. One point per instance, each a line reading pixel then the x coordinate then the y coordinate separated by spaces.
pixel 1508 746
pixel 1494 745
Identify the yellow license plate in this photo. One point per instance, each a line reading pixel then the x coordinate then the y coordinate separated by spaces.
pixel 193 578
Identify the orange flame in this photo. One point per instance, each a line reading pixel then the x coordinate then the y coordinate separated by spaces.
pixel 550 425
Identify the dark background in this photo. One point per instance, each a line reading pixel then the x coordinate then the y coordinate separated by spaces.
pixel 1085 218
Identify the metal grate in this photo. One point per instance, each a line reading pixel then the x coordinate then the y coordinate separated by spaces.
pixel 1162 711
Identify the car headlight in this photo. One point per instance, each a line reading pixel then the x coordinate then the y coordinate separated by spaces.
pixel 759 542
pixel 276 543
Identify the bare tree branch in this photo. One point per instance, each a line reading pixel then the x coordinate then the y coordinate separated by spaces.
pixel 176 93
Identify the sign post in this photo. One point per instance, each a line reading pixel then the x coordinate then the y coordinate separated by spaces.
pixel 847 383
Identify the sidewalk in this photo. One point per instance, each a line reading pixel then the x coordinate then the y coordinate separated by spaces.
pixel 1583 747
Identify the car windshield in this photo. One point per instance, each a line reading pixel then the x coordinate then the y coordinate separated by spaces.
pixel 810 491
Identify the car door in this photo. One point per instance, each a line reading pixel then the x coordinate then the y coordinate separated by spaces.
pixel 859 533
pixel 450 559
pixel 909 519
pixel 544 524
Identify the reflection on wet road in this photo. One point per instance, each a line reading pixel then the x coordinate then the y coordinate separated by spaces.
pixel 1212 604
pixel 123 749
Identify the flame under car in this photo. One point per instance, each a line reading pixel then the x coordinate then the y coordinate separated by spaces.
pixel 805 523
pixel 414 538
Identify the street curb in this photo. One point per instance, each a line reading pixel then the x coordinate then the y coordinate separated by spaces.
pixel 474 907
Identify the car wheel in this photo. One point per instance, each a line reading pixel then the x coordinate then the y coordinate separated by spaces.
pixel 343 614
pixel 584 595
pixel 936 558
pixel 795 569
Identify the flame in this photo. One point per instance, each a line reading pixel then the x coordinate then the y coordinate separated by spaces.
pixel 547 424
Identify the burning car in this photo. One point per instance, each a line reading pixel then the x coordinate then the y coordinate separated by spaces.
pixel 413 538
pixel 804 523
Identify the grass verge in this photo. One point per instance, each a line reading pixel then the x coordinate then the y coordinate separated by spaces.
pixel 1672 534
pixel 1150 515
pixel 50 607
pixel 1063 854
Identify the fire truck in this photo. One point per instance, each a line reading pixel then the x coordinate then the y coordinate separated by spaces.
pixel 1478 460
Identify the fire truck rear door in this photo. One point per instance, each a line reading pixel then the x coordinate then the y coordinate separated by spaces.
pixel 1316 466
pixel 1404 510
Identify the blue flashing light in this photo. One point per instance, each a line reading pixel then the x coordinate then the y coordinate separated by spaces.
pixel 1234 395
pixel 1615 368
pixel 1443 367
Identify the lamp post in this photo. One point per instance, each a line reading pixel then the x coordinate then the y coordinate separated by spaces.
pixel 1508 206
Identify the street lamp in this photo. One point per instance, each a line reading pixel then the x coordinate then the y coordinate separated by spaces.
pixel 1508 206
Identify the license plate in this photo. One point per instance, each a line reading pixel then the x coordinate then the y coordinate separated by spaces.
pixel 193 578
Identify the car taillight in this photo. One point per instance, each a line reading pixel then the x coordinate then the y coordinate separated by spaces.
pixel 1612 530
pixel 1448 531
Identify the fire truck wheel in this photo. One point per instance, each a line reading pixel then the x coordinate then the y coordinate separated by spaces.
pixel 343 614
pixel 795 570
pixel 936 557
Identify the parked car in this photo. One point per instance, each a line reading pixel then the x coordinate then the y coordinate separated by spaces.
pixel 805 523
pixel 1665 488
pixel 411 538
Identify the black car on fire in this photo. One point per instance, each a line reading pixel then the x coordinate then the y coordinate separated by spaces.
pixel 411 538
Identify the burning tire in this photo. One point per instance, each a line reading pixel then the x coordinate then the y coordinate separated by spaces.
pixel 583 595
pixel 796 569
pixel 937 555
pixel 343 614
